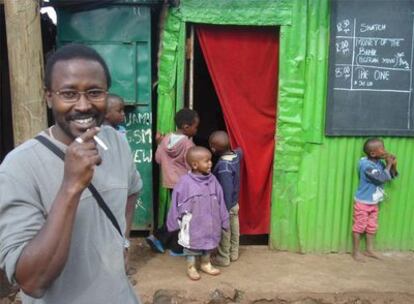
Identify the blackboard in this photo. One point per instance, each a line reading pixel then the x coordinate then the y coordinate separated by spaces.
pixel 138 122
pixel 370 68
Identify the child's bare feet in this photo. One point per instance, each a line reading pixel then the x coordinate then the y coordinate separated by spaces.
pixel 358 257
pixel 372 254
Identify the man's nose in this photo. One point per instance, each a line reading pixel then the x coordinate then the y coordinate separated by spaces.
pixel 83 104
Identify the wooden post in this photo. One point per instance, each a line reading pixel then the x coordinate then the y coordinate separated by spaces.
pixel 191 68
pixel 24 44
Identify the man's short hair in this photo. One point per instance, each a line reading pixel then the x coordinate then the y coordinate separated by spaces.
pixel 370 143
pixel 74 51
pixel 185 117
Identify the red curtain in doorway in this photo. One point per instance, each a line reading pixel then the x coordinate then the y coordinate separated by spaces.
pixel 243 64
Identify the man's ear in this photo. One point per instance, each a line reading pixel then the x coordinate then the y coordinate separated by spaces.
pixel 48 98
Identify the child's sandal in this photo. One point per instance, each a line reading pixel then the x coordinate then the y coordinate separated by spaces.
pixel 193 273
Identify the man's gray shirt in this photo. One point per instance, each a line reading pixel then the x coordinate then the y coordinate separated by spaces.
pixel 30 178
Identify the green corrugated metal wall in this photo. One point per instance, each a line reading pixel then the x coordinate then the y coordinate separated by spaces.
pixel 171 67
pixel 314 177
pixel 327 181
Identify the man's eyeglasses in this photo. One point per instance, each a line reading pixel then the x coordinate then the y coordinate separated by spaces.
pixel 72 96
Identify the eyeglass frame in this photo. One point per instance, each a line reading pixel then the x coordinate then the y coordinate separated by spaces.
pixel 79 94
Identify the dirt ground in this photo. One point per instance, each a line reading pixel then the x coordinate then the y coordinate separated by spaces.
pixel 264 276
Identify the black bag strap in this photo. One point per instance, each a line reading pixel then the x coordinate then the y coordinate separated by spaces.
pixel 55 149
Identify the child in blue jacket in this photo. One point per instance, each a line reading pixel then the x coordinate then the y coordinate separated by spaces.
pixel 373 174
pixel 227 172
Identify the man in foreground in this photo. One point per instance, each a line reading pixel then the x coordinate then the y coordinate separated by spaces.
pixel 56 243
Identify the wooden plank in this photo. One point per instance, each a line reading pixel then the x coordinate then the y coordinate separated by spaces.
pixel 24 43
pixel 190 52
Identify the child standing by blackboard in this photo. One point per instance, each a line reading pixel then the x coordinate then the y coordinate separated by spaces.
pixel 171 156
pixel 373 174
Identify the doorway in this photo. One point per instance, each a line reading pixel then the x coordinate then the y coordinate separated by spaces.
pixel 205 99
pixel 232 75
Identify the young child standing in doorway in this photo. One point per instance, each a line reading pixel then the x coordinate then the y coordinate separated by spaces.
pixel 199 211
pixel 373 174
pixel 227 172
pixel 115 114
pixel 171 156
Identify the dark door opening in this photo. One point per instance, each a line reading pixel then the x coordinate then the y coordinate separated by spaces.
pixel 206 103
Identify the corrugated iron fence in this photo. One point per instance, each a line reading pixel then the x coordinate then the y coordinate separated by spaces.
pixel 315 177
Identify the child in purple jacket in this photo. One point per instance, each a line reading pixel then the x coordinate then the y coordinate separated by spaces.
pixel 198 209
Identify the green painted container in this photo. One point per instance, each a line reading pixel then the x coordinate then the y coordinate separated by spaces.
pixel 121 33
pixel 314 177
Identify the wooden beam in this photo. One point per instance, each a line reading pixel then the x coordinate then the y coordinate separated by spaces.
pixel 24 44
pixel 190 51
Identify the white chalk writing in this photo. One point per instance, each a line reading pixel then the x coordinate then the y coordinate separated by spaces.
pixel 139 204
pixel 138 118
pixel 371 59
pixel 372 27
pixel 142 156
pixel 141 136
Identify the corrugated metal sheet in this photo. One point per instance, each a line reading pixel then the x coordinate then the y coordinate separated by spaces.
pixel 315 177
pixel 243 12
pixel 172 59
pixel 397 213
pixel 327 183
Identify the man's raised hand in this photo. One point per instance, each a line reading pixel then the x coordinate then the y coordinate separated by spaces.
pixel 81 158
